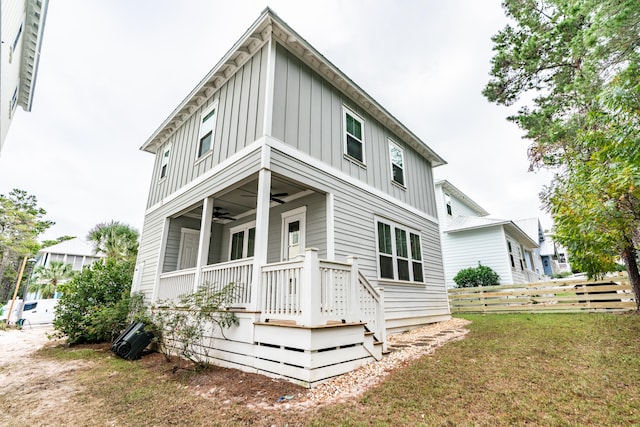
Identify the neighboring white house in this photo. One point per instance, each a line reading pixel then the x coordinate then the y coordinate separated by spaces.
pixel 555 259
pixel 75 252
pixel 280 174
pixel 21 27
pixel 470 237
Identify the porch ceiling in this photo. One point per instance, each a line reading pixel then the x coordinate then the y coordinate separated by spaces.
pixel 241 201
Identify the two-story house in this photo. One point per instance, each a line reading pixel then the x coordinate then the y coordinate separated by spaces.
pixel 279 174
pixel 470 237
pixel 21 27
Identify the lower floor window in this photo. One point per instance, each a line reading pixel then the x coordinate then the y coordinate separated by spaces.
pixel 399 253
pixel 243 240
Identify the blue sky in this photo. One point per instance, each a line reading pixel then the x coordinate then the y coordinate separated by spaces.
pixel 111 72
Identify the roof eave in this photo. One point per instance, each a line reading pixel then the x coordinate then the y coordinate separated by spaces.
pixel 36 14
pixel 268 25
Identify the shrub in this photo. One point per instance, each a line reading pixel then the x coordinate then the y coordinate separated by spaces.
pixel 478 276
pixel 186 327
pixel 95 303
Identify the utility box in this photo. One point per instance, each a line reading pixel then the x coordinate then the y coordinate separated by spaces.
pixel 132 341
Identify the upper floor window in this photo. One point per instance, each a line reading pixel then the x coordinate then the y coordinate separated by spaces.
pixel 397 163
pixel 16 40
pixel 243 239
pixel 353 135
pixel 14 101
pixel 447 202
pixel 207 125
pixel 399 253
pixel 164 167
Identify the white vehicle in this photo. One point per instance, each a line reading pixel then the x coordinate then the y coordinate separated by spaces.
pixel 34 312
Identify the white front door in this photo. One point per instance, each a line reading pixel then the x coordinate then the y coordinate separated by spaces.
pixel 293 233
pixel 188 252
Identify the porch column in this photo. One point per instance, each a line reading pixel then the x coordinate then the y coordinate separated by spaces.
pixel 310 292
pixel 331 224
pixel 205 238
pixel 262 235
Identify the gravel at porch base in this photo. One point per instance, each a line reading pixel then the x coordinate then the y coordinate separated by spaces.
pixel 403 348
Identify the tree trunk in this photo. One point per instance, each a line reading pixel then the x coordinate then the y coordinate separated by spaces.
pixel 629 257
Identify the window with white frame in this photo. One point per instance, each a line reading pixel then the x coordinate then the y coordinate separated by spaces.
pixel 207 126
pixel 16 40
pixel 14 101
pixel 243 240
pixel 399 253
pixel 397 163
pixel 447 202
pixel 510 249
pixel 353 135
pixel 164 166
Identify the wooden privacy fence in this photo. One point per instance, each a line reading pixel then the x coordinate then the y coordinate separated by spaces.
pixel 612 294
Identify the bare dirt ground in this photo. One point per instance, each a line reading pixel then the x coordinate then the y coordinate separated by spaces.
pixel 46 385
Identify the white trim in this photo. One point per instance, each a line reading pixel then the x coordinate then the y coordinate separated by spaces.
pixel 137 276
pixel 298 214
pixel 160 263
pixel 346 110
pixel 183 232
pixel 331 227
pixel 208 174
pixel 166 149
pixel 338 174
pixel 392 145
pixel 394 255
pixel 303 157
pixel 270 88
pixel 207 111
pixel 245 243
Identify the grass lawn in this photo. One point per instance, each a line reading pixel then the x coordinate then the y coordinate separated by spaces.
pixel 511 369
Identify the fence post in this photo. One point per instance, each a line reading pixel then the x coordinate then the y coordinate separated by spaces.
pixel 310 294
pixel 380 320
pixel 354 291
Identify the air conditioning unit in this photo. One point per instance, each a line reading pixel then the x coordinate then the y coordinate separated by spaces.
pixel 132 341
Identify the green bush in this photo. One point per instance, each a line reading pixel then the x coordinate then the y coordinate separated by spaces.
pixel 185 327
pixel 478 276
pixel 95 303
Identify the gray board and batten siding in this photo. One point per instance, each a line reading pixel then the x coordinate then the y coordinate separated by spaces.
pixel 355 213
pixel 308 114
pixel 239 123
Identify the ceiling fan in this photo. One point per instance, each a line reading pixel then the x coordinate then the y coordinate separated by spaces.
pixel 272 196
pixel 218 213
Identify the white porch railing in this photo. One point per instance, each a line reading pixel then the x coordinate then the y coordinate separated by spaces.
pixel 176 283
pixel 239 272
pixel 371 308
pixel 280 290
pixel 306 290
pixel 312 292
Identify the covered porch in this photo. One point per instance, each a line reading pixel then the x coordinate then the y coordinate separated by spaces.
pixel 273 238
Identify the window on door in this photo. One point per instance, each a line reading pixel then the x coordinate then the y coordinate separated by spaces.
pixel 399 253
pixel 242 242
pixel 293 233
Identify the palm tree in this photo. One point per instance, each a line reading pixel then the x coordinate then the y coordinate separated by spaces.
pixel 115 240
pixel 47 278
